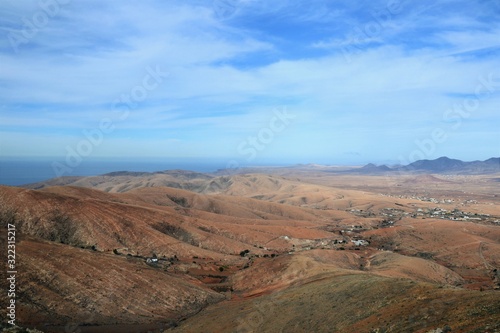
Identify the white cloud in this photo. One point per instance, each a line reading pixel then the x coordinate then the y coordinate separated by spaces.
pixel 219 90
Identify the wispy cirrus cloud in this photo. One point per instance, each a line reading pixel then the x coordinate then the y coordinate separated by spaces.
pixel 225 76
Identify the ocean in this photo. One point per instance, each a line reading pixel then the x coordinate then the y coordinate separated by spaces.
pixel 21 171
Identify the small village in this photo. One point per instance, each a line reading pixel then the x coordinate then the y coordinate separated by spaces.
pixel 394 214
pixel 343 238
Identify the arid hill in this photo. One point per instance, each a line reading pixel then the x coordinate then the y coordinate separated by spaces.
pixel 61 285
pixel 282 252
pixel 346 302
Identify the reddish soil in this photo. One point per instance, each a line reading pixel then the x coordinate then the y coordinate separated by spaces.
pixel 295 247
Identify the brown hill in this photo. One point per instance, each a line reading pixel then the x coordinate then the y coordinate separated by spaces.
pixel 159 220
pixel 60 284
pixel 427 179
pixel 469 249
pixel 360 257
pixel 123 181
pixel 346 302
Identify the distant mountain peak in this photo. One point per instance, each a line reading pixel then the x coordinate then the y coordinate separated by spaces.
pixel 441 164
pixel 372 168
pixel 369 166
pixel 445 164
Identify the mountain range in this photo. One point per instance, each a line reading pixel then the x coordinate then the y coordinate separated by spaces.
pixel 298 249
pixel 122 181
pixel 441 165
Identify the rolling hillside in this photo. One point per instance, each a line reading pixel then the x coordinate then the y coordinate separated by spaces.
pixel 153 257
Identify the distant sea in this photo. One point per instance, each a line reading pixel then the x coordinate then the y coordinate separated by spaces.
pixel 21 171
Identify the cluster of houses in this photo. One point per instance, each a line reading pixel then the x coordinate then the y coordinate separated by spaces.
pixel 362 213
pixel 394 214
pixel 454 215
pixel 326 243
pixel 360 242
pixel 163 262
pixel 421 198
pixel 445 201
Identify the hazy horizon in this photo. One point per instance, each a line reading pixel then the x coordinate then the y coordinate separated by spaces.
pixel 16 171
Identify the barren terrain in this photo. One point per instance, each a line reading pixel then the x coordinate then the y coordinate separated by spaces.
pixel 278 250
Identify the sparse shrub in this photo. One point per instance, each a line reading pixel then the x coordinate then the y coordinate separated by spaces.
pixel 425 255
pixel 7 216
pixel 181 201
pixel 60 228
pixel 221 269
pixel 126 223
pixel 203 228
pixel 115 251
pixel 176 232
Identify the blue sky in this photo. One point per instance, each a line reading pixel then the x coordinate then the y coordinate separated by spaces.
pixel 356 81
